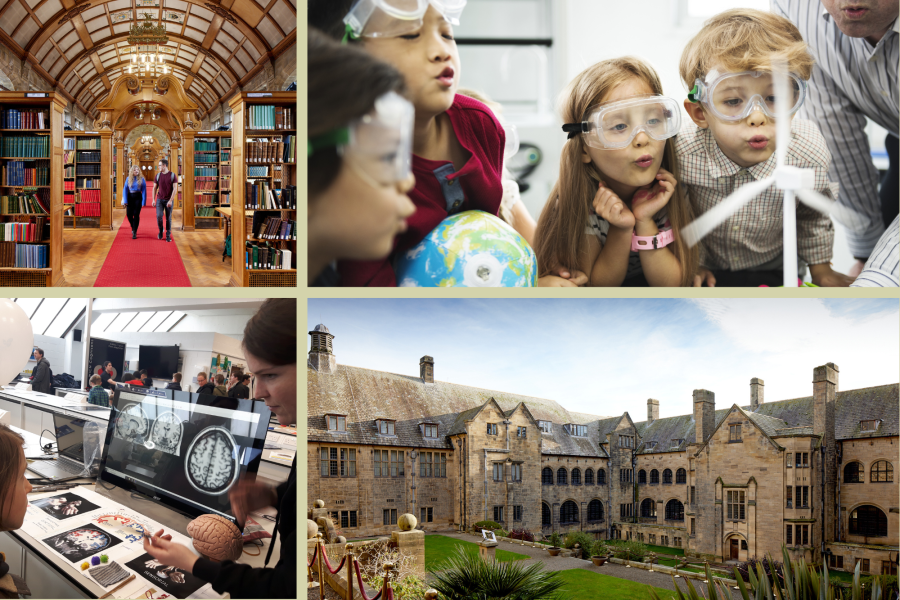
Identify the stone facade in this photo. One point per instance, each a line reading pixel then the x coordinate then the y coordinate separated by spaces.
pixel 724 484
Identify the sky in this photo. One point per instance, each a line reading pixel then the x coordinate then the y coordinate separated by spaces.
pixel 608 356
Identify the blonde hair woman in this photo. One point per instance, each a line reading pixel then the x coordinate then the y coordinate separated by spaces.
pixel 134 196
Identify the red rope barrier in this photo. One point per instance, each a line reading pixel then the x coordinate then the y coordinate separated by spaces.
pixel 390 594
pixel 313 560
pixel 328 564
pixel 362 588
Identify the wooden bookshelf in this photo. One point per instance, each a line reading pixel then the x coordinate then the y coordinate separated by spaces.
pixel 53 105
pixel 225 171
pixel 280 174
pixel 206 156
pixel 82 171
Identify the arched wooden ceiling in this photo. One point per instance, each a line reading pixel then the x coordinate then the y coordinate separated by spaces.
pixel 214 46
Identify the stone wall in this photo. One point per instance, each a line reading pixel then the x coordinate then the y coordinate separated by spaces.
pixel 19 75
pixel 885 495
pixel 555 495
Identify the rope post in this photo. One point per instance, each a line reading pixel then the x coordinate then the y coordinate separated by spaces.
pixel 350 558
pixel 309 569
pixel 321 546
pixel 388 574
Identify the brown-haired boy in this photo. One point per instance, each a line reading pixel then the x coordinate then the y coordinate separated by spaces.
pixel 727 67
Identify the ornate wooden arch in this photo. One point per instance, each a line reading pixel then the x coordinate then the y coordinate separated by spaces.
pixel 167 91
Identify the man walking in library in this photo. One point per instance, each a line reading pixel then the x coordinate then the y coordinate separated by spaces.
pixel 166 183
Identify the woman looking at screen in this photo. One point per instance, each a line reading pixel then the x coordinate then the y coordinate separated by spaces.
pixel 270 347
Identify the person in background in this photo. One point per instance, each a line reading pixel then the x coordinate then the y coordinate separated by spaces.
pixel 134 196
pixel 14 490
pixel 206 386
pixel 220 389
pixel 175 384
pixel 40 377
pixel 238 388
pixel 107 376
pixel 166 184
pixel 881 269
pixel 270 347
pixel 148 381
pixel 98 395
pixel 136 380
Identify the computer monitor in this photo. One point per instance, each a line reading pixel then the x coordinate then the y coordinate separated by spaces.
pixel 185 451
pixel 69 437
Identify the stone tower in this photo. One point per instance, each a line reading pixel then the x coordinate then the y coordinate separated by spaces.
pixel 321 357
pixel 704 415
pixel 652 410
pixel 757 393
pixel 825 388
pixel 426 369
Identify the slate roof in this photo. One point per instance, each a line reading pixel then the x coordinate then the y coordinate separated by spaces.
pixel 365 394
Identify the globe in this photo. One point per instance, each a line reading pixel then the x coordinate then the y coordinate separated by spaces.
pixel 470 249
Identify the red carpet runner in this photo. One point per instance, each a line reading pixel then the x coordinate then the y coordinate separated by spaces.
pixel 144 262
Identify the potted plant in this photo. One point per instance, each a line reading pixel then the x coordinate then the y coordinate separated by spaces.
pixel 555 542
pixel 601 552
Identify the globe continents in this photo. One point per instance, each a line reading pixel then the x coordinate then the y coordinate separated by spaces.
pixel 471 249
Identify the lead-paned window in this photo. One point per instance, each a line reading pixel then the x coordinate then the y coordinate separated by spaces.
pixel 736 505
pixel 517 513
pixel 881 472
pixel 515 473
pixel 389 516
pixel 498 514
pixel 425 464
pixel 498 471
pixel 735 434
pixel 336 423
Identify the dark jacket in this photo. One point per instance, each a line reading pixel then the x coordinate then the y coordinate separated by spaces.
pixel 148 382
pixel 239 390
pixel 173 386
pixel 206 388
pixel 220 390
pixel 40 381
pixel 243 581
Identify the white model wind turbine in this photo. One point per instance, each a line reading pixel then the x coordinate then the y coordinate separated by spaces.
pixel 791 180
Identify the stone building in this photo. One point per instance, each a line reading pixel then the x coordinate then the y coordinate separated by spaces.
pixel 813 473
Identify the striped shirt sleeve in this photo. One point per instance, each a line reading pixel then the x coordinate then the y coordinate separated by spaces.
pixel 881 269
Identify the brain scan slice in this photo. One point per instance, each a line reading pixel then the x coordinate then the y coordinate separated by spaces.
pixel 132 424
pixel 211 463
pixel 167 433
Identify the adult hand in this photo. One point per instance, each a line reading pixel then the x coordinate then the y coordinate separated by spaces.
pixel 250 495
pixel 169 204
pixel 154 202
pixel 167 552
pixel 824 276
pixel 649 200
pixel 704 275
pixel 610 207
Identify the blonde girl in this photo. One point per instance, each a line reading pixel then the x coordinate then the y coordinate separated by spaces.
pixel 613 218
pixel 134 196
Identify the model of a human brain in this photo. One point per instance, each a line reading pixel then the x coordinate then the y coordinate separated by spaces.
pixel 216 537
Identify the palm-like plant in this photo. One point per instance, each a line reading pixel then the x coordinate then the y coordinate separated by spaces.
pixel 465 576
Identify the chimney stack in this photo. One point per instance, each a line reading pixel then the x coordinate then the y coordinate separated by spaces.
pixel 825 388
pixel 757 392
pixel 704 415
pixel 652 410
pixel 426 369
pixel 321 357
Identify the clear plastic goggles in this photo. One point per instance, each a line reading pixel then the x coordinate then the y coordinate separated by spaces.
pixel 512 140
pixel 734 96
pixel 392 18
pixel 614 125
pixel 379 145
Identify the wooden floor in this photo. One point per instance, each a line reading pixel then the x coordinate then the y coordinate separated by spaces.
pixel 85 250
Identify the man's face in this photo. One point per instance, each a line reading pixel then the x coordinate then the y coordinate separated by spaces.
pixel 38 355
pixel 161 167
pixel 863 18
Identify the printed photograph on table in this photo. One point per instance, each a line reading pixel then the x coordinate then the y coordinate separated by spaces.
pixel 177 582
pixel 739 143
pixel 64 506
pixel 81 543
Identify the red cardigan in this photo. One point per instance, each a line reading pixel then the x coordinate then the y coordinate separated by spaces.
pixel 479 132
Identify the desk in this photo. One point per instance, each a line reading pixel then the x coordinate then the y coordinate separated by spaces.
pixel 33 411
pixel 49 575
pixel 225 211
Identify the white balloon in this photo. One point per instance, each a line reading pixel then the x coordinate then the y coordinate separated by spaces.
pixel 16 340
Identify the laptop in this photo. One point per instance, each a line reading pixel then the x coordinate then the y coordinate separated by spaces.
pixel 70 457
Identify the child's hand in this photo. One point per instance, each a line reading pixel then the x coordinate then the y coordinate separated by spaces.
pixel 573 275
pixel 648 201
pixel 704 276
pixel 824 276
pixel 610 207
pixel 554 281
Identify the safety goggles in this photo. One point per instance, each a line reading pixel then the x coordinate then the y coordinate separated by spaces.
pixel 379 145
pixel 392 18
pixel 614 125
pixel 734 96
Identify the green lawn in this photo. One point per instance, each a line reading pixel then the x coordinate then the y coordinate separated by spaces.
pixel 588 585
pixel 439 547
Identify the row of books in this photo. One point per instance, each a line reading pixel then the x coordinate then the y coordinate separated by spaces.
pixel 225 198
pixel 266 257
pixel 205 146
pixel 259 196
pixel 257 171
pixel 69 185
pixel 24 256
pixel 29 231
pixel 206 158
pixel 225 170
pixel 290 149
pixel 205 183
pixel 265 150
pixel 273 228
pixel 87 143
pixel 270 117
pixel 87 169
pixel 87 184
pixel 90 196
pixel 13 118
pixel 30 204
pixel 69 157
pixel 206 198
pixel 225 155
pixel 225 184
pixel 69 171
pixel 226 142
pixel 205 211
pixel 87 156
pixel 205 171
pixel 16 174
pixel 87 209
pixel 34 146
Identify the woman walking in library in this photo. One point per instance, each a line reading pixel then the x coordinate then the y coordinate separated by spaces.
pixel 166 183
pixel 134 196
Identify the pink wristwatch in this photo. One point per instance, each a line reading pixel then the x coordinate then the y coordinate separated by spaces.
pixel 651 242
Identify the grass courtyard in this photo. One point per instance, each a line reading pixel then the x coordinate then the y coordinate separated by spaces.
pixel 439 547
pixel 581 584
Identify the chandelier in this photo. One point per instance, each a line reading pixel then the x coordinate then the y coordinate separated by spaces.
pixel 145 39
pixel 151 110
pixel 146 139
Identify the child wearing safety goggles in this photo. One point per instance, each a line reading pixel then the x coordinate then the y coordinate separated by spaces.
pixel 458 143
pixel 358 157
pixel 732 143
pixel 614 216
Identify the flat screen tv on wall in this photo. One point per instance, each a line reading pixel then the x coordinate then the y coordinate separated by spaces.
pixel 161 362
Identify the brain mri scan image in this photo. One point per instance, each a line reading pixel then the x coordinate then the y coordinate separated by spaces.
pixel 77 544
pixel 132 424
pixel 167 432
pixel 211 464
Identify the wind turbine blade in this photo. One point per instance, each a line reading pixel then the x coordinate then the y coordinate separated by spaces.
pixel 782 108
pixel 847 217
pixel 715 216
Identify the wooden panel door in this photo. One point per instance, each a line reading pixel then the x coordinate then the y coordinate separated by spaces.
pixel 735 547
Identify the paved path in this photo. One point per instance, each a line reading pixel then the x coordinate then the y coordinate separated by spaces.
pixel 559 563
